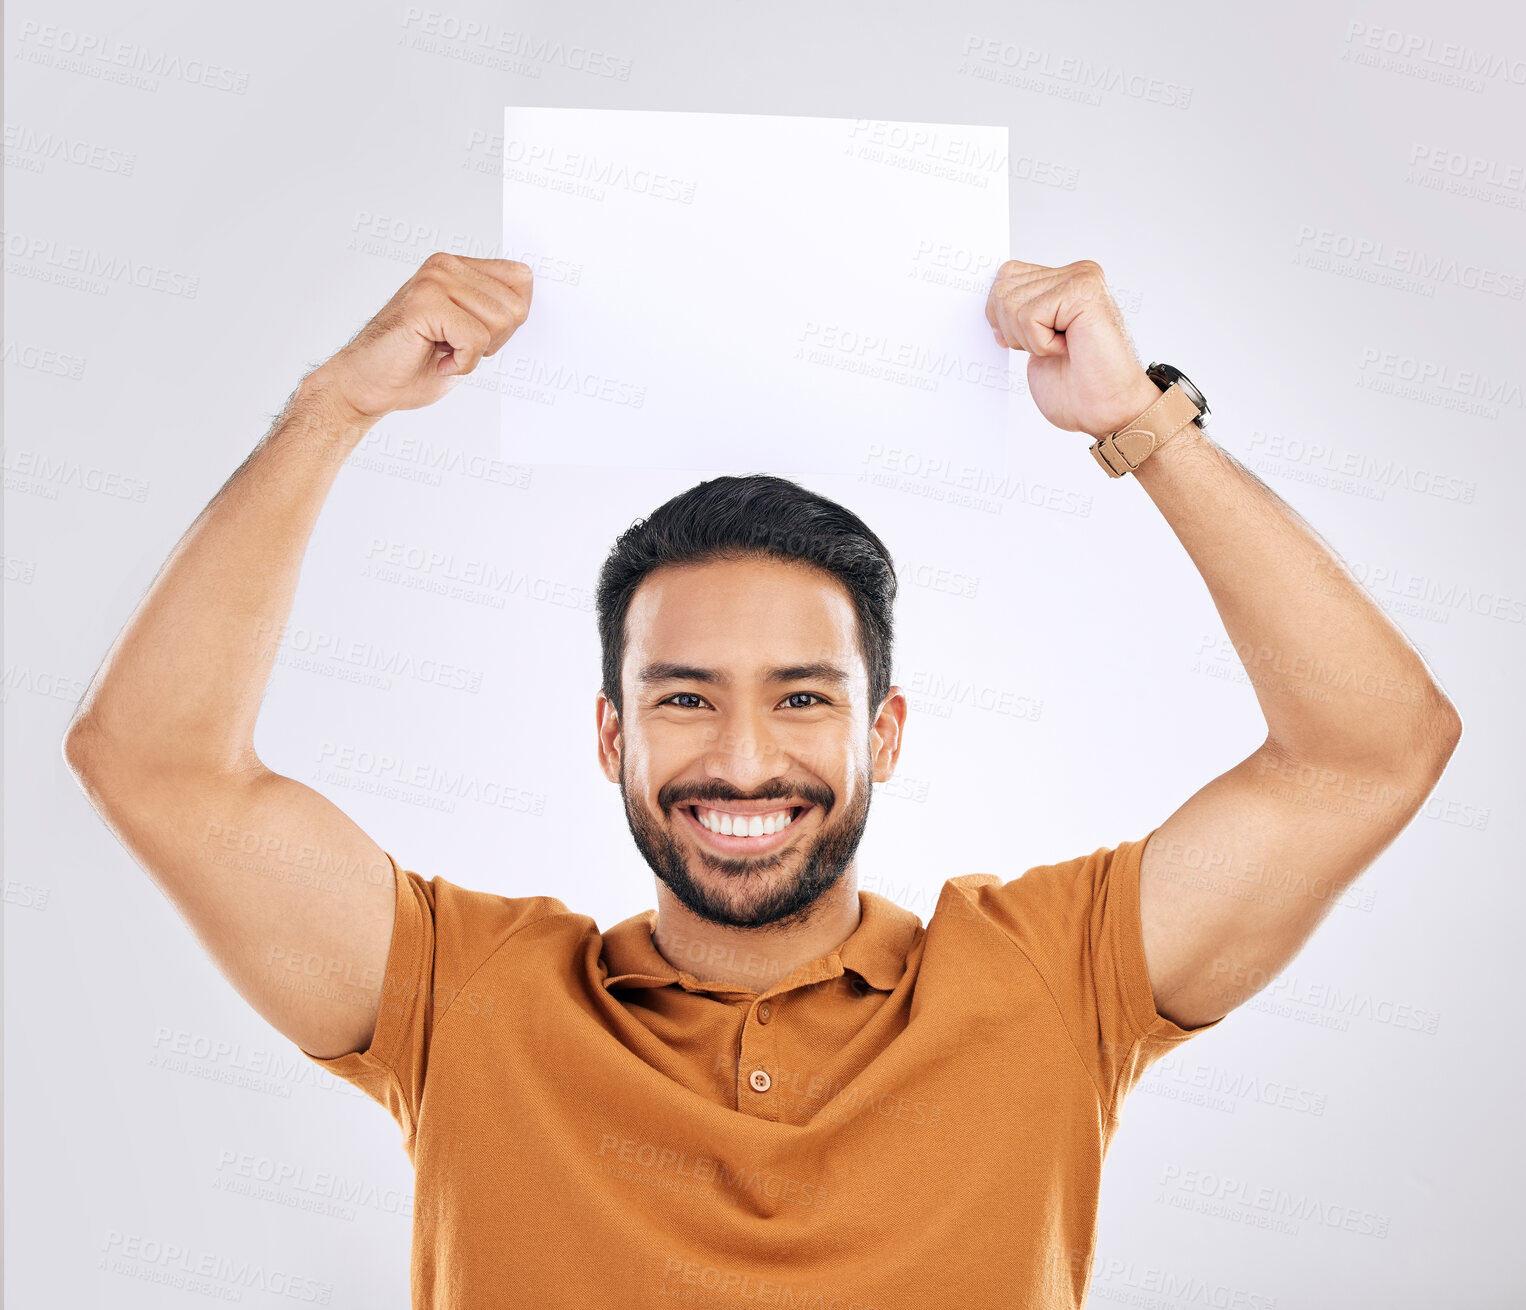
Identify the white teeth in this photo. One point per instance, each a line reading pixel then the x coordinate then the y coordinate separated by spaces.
pixel 745 825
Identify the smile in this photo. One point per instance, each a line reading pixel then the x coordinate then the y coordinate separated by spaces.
pixel 738 833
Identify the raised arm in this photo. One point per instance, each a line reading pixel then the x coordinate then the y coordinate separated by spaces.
pixel 1235 881
pixel 290 898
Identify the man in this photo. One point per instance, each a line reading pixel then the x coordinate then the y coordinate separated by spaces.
pixel 774 1088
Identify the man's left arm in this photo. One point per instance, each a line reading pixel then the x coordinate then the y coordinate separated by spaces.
pixel 1235 881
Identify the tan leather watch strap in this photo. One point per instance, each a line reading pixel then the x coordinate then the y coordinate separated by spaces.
pixel 1125 450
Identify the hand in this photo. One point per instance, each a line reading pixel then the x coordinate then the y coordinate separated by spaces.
pixel 451 314
pixel 1082 371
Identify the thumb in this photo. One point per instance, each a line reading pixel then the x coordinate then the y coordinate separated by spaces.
pixel 458 338
pixel 458 360
pixel 1055 345
pixel 1046 341
pixel 1036 320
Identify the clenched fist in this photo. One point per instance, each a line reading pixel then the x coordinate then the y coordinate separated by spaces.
pixel 1082 371
pixel 446 318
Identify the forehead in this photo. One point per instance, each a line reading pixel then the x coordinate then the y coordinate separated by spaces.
pixel 742 615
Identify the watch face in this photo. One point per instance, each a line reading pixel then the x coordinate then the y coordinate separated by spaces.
pixel 1163 375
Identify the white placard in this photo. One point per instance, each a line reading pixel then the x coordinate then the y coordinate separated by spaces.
pixel 753 292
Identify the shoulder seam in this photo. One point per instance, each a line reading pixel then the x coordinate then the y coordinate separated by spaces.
pixel 440 1019
pixel 1128 1005
pixel 402 1100
pixel 1104 1103
pixel 391 1062
pixel 1119 955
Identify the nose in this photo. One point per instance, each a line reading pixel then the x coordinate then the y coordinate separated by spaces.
pixel 745 751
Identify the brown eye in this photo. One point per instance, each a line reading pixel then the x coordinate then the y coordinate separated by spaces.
pixel 796 695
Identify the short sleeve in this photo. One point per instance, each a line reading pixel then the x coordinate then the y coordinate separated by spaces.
pixel 1078 923
pixel 441 936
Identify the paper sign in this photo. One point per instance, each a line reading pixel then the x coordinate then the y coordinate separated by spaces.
pixel 753 292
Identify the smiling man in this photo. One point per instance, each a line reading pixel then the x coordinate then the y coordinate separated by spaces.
pixel 745 747
pixel 775 1087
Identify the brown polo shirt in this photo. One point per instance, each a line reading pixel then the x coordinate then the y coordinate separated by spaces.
pixel 918 1118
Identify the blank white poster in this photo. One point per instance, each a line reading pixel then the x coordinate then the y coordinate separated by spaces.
pixel 752 292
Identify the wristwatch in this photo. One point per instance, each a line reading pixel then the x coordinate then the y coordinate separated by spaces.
pixel 1180 403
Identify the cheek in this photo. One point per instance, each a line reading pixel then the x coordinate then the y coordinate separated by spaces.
pixel 654 758
pixel 659 753
pixel 832 750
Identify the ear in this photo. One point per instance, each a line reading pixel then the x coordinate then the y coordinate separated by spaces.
pixel 609 737
pixel 885 737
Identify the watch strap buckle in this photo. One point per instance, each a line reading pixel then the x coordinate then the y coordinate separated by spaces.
pixel 1125 450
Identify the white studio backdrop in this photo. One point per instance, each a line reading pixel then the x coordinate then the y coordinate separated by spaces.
pixel 1316 214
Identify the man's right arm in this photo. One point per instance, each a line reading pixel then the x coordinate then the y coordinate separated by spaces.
pixel 290 898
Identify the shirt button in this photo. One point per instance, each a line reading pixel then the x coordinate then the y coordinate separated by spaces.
pixel 763 1013
pixel 759 1080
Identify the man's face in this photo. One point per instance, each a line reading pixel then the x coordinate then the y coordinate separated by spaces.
pixel 747 748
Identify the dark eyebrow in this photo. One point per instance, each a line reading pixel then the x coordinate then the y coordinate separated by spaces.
pixel 669 671
pixel 818 672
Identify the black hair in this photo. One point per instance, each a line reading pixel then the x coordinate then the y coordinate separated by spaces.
pixel 758 515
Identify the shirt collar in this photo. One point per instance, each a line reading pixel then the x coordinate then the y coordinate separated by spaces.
pixel 876 950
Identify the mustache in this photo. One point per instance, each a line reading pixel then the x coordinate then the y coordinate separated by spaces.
pixel 670 797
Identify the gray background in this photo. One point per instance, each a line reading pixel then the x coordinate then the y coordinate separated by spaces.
pixel 1283 209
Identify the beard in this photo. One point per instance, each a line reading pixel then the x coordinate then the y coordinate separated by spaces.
pixel 748 898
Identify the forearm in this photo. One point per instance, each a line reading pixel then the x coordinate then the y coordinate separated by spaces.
pixel 181 686
pixel 1338 683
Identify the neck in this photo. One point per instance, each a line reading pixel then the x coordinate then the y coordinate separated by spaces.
pixel 754 958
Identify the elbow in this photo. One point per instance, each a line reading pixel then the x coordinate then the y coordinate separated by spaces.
pixel 1414 748
pixel 88 755
pixel 105 764
pixel 1448 727
pixel 1434 739
pixel 77 746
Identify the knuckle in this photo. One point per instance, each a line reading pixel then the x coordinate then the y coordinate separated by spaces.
pixel 442 261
